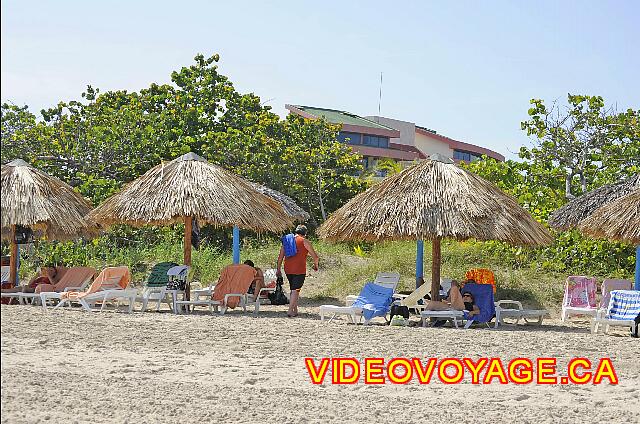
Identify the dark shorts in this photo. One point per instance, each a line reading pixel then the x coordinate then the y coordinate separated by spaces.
pixel 295 281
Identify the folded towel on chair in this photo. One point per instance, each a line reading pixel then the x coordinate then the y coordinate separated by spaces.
pixel 624 305
pixel 483 298
pixel 374 300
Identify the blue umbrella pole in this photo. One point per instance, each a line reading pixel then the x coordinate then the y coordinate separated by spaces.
pixel 419 262
pixel 236 245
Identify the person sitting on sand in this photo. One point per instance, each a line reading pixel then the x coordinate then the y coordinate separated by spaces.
pixel 258 279
pixel 456 301
pixel 47 275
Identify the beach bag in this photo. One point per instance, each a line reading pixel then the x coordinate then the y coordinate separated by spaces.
pixel 24 235
pixel 289 245
pixel 278 297
pixel 402 311
pixel 398 321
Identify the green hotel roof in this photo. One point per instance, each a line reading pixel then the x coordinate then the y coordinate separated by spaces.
pixel 341 117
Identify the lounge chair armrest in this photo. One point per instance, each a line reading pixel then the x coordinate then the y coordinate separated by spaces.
pixel 208 291
pixel 400 296
pixel 502 303
pixel 229 295
pixel 76 289
pixel 265 290
pixel 601 313
pixel 348 301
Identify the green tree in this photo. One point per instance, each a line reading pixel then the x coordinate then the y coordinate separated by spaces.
pixel 579 141
pixel 107 139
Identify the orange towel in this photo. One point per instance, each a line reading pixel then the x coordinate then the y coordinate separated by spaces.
pixel 482 276
pixel 73 277
pixel 109 278
pixel 233 279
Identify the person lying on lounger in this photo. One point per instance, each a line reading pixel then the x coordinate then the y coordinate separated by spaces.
pixel 456 301
pixel 258 279
pixel 47 276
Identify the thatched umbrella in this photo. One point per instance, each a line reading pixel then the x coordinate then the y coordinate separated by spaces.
pixel 570 215
pixel 190 187
pixel 289 205
pixel 618 220
pixel 433 200
pixel 581 208
pixel 47 205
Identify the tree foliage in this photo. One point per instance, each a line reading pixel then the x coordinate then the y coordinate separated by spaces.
pixel 539 183
pixel 111 138
pixel 585 143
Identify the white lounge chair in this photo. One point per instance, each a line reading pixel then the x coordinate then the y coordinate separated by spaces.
pixel 412 301
pixel 518 313
pixel 257 299
pixel 229 292
pixel 154 289
pixel 75 279
pixel 384 279
pixel 579 297
pixel 355 314
pixel 622 310
pixel 110 286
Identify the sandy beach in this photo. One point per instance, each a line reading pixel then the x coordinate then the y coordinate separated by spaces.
pixel 73 366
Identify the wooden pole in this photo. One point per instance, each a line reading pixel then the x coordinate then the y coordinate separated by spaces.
pixel 188 226
pixel 435 269
pixel 13 260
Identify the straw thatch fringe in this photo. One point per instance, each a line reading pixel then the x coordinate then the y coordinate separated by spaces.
pixel 581 207
pixel 190 186
pixel 434 199
pixel 618 220
pixel 290 207
pixel 44 203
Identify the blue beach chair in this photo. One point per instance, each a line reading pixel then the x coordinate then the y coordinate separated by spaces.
pixel 373 301
pixel 483 298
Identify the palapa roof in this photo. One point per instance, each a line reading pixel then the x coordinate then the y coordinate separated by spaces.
pixel 289 205
pixel 618 220
pixel 434 199
pixel 47 205
pixel 570 215
pixel 191 186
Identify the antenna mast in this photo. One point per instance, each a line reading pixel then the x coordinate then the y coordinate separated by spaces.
pixel 380 97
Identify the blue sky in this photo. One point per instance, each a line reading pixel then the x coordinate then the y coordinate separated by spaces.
pixel 466 69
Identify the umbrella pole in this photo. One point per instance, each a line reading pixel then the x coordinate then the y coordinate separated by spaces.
pixel 419 263
pixel 236 245
pixel 13 260
pixel 188 226
pixel 435 269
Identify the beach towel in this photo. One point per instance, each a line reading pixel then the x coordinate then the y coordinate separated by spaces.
pixel 624 305
pixel 609 285
pixel 374 300
pixel 233 279
pixel 483 298
pixel 73 277
pixel 580 292
pixel 482 276
pixel 158 276
pixel 109 279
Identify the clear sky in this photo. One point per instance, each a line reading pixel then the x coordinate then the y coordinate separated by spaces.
pixel 466 68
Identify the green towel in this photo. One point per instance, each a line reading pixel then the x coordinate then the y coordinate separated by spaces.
pixel 158 276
